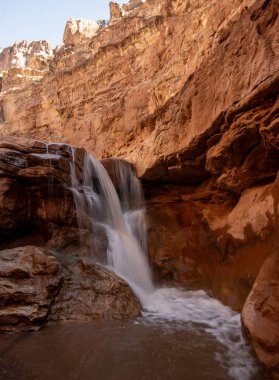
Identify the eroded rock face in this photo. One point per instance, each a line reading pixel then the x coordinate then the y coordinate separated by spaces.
pixel 260 316
pixel 188 93
pixel 35 195
pixel 171 87
pixel 29 281
pixel 204 237
pixel 79 31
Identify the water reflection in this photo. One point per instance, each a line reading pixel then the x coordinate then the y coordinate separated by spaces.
pixel 112 350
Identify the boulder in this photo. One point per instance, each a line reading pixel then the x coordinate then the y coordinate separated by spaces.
pixel 90 292
pixel 260 316
pixel 35 288
pixel 29 281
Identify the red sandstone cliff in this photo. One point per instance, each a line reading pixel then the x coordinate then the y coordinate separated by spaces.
pixel 184 90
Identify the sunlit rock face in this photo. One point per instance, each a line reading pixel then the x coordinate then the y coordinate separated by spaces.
pixel 24 62
pixel 24 55
pixel 79 31
pixel 170 86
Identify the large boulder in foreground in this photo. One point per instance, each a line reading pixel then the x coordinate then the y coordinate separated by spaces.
pixel 90 292
pixel 260 316
pixel 36 288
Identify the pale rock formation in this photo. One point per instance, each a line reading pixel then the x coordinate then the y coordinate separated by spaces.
pixel 79 31
pixel 23 55
pixel 24 62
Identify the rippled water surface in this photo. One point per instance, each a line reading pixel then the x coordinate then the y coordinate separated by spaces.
pixel 115 350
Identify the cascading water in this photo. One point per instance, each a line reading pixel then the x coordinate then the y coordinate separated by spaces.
pixel 120 212
pixel 97 199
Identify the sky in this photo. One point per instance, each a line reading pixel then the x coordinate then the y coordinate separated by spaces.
pixel 45 19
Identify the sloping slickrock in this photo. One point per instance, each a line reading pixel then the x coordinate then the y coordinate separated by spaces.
pixel 260 316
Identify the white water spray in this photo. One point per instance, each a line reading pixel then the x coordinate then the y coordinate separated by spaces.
pixel 120 211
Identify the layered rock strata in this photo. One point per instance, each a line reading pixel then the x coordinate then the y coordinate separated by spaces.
pixel 172 87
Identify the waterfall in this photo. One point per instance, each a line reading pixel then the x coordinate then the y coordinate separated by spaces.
pixel 122 217
pixel 119 210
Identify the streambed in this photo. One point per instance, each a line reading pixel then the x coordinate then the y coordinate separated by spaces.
pixel 111 351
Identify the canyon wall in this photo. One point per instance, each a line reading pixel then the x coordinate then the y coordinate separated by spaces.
pixel 174 87
pixel 186 91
